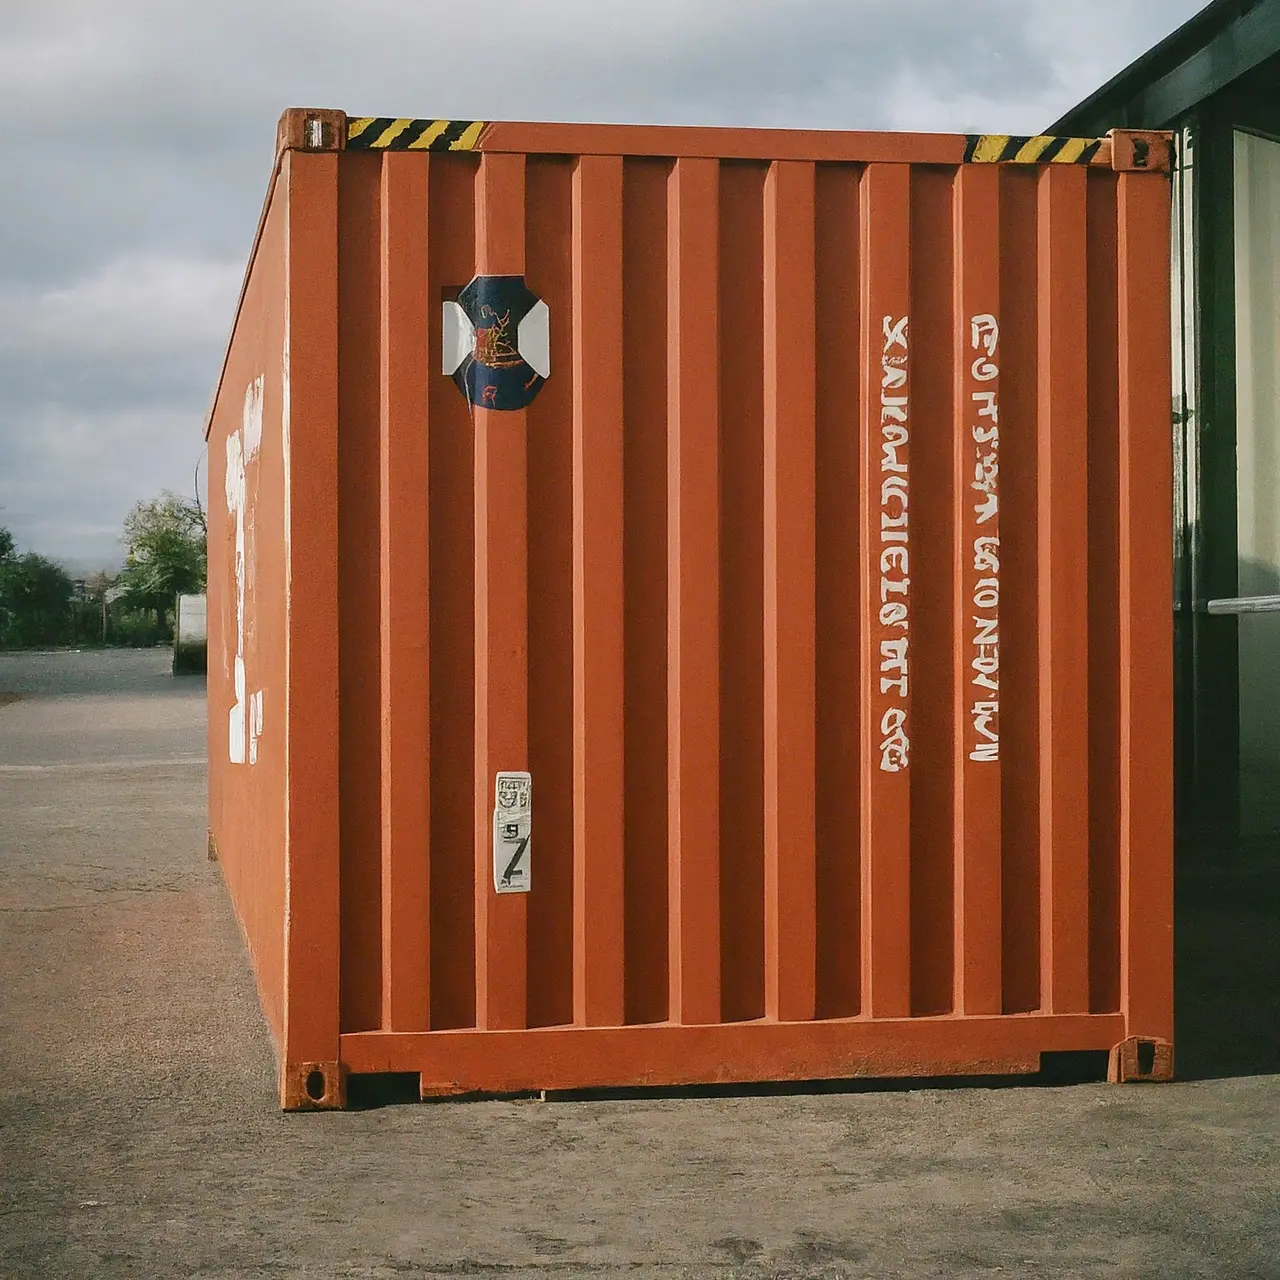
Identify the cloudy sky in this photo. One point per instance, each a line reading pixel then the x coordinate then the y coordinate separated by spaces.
pixel 139 139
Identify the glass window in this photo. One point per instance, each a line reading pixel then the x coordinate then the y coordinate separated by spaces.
pixel 1257 306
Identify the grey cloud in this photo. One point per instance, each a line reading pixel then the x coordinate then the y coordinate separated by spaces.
pixel 135 175
pixel 67 477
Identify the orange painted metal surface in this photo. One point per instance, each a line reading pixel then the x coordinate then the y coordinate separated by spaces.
pixel 821 584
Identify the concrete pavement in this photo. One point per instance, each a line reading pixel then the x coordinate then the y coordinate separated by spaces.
pixel 139 1134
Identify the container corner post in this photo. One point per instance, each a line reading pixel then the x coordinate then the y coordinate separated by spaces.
pixel 313 1086
pixel 1141 1059
pixel 311 129
pixel 1141 151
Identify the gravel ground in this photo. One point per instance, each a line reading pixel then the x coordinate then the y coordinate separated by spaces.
pixel 139 1134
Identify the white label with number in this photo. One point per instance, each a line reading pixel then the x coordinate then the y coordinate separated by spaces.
pixel 512 832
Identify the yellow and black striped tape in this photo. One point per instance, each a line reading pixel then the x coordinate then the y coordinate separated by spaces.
pixel 1002 148
pixel 383 133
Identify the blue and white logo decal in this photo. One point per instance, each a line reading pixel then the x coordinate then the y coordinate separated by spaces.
pixel 497 342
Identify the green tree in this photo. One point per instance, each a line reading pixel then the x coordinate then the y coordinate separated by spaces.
pixel 164 553
pixel 35 598
pixel 7 549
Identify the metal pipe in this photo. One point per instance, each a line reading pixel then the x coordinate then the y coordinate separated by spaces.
pixel 1246 604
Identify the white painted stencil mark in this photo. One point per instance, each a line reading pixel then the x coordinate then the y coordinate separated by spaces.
pixel 895 543
pixel 984 713
pixel 245 719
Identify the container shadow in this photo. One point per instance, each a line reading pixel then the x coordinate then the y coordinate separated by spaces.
pixel 1227 958
pixel 1056 1069
pixel 372 1092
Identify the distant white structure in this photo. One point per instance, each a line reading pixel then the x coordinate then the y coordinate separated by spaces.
pixel 190 635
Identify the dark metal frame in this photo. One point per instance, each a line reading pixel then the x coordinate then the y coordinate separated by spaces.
pixel 1223 42
pixel 1215 75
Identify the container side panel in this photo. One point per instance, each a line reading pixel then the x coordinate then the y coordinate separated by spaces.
pixel 693 592
pixel 836 479
pixel 979 355
pixel 823 589
pixel 451 507
pixel 359 592
pixel 599 959
pixel 247 617
pixel 405 702
pixel 501 619
pixel 887 554
pixel 1019 669
pixel 313 873
pixel 644 319
pixel 1104 598
pixel 790 923
pixel 1146 574
pixel 549 273
pixel 1062 511
pixel 741 567
pixel 932 575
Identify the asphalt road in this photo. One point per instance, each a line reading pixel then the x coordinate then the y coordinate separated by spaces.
pixel 139 1135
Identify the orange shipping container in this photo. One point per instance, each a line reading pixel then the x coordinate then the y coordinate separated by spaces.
pixel 694 605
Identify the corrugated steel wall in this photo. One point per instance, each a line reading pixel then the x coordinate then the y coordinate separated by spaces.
pixel 823 589
pixel 246 619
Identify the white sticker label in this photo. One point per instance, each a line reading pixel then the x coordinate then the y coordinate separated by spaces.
pixel 512 832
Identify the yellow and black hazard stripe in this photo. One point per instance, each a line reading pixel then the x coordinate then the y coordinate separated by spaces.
pixel 1002 148
pixel 384 133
